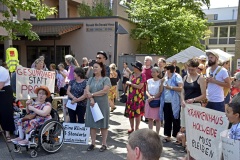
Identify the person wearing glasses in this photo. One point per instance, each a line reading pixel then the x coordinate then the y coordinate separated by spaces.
pixel 217 79
pixel 100 58
pixel 200 69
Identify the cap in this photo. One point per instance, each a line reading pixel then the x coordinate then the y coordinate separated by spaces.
pixel 137 64
pixel 213 53
pixel 45 88
pixel 202 57
pixel 103 53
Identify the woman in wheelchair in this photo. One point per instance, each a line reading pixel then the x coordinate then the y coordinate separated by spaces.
pixel 38 113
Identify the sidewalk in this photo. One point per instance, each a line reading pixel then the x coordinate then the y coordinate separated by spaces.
pixel 117 140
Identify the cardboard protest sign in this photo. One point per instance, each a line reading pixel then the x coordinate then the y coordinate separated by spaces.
pixel 76 133
pixel 203 127
pixel 230 147
pixel 27 79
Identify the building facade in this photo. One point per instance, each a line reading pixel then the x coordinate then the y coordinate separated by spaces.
pixel 67 33
pixel 223 28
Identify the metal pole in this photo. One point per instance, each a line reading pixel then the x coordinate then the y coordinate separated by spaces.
pixel 115 42
pixel 55 52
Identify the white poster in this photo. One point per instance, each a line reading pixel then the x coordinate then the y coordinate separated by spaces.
pixel 230 147
pixel 27 79
pixel 203 127
pixel 76 133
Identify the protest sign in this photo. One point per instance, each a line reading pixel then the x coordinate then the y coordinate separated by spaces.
pixel 230 147
pixel 203 127
pixel 76 133
pixel 27 79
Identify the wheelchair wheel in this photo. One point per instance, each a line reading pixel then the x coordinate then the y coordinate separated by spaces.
pixel 51 136
pixel 34 153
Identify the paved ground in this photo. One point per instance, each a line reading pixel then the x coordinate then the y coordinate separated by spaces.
pixel 117 141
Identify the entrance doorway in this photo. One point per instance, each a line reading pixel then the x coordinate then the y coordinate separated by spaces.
pixel 33 52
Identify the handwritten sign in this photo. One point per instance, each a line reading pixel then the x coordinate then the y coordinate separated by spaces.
pixel 203 127
pixel 28 79
pixel 230 147
pixel 76 133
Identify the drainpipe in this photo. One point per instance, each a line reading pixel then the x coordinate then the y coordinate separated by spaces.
pixel 233 13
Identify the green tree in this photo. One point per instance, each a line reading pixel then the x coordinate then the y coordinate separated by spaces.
pixel 167 27
pixel 84 10
pixel 101 10
pixel 98 10
pixel 22 27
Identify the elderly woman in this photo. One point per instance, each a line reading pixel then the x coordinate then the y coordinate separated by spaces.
pixel 40 108
pixel 153 92
pixel 6 108
pixel 135 101
pixel 72 64
pixel 170 103
pixel 97 92
pixel 38 66
pixel 76 94
pixel 113 90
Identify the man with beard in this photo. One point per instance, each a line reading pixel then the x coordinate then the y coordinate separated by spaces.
pixel 217 78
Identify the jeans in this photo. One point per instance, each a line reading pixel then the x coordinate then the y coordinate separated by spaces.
pixel 218 106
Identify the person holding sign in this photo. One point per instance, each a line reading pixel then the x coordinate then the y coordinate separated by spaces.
pixel 97 92
pixel 76 94
pixel 194 91
pixel 170 103
pixel 38 114
pixel 233 114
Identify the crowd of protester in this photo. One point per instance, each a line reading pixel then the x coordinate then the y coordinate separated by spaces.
pixel 159 93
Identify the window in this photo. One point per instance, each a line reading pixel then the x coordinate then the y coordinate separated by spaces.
pixel 215 16
pixel 223 32
pixel 214 31
pixel 232 31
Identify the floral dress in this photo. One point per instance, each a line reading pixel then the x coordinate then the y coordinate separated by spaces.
pixel 29 125
pixel 135 101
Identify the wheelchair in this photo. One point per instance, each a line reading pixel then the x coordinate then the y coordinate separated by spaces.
pixel 49 137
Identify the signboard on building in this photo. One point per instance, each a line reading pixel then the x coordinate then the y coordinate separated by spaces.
pixel 100 27
pixel 28 79
pixel 76 133
pixel 203 131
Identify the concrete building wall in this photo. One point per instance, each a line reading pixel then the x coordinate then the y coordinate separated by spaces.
pixel 226 13
pixel 85 42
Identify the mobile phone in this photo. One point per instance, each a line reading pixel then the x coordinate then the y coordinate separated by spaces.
pixel 92 62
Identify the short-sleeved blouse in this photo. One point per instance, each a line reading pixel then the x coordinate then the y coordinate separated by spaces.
pixel 77 90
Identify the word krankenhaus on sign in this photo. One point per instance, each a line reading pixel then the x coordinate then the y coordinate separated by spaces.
pixel 203 127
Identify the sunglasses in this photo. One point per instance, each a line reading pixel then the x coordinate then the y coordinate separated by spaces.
pixel 200 69
pixel 99 57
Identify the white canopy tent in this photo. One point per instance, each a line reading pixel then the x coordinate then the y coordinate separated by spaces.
pixel 186 54
pixel 223 56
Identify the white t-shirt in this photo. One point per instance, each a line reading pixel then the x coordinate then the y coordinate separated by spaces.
pixel 4 76
pixel 153 86
pixel 215 92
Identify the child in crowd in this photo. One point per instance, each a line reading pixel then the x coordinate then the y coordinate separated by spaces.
pixel 233 114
